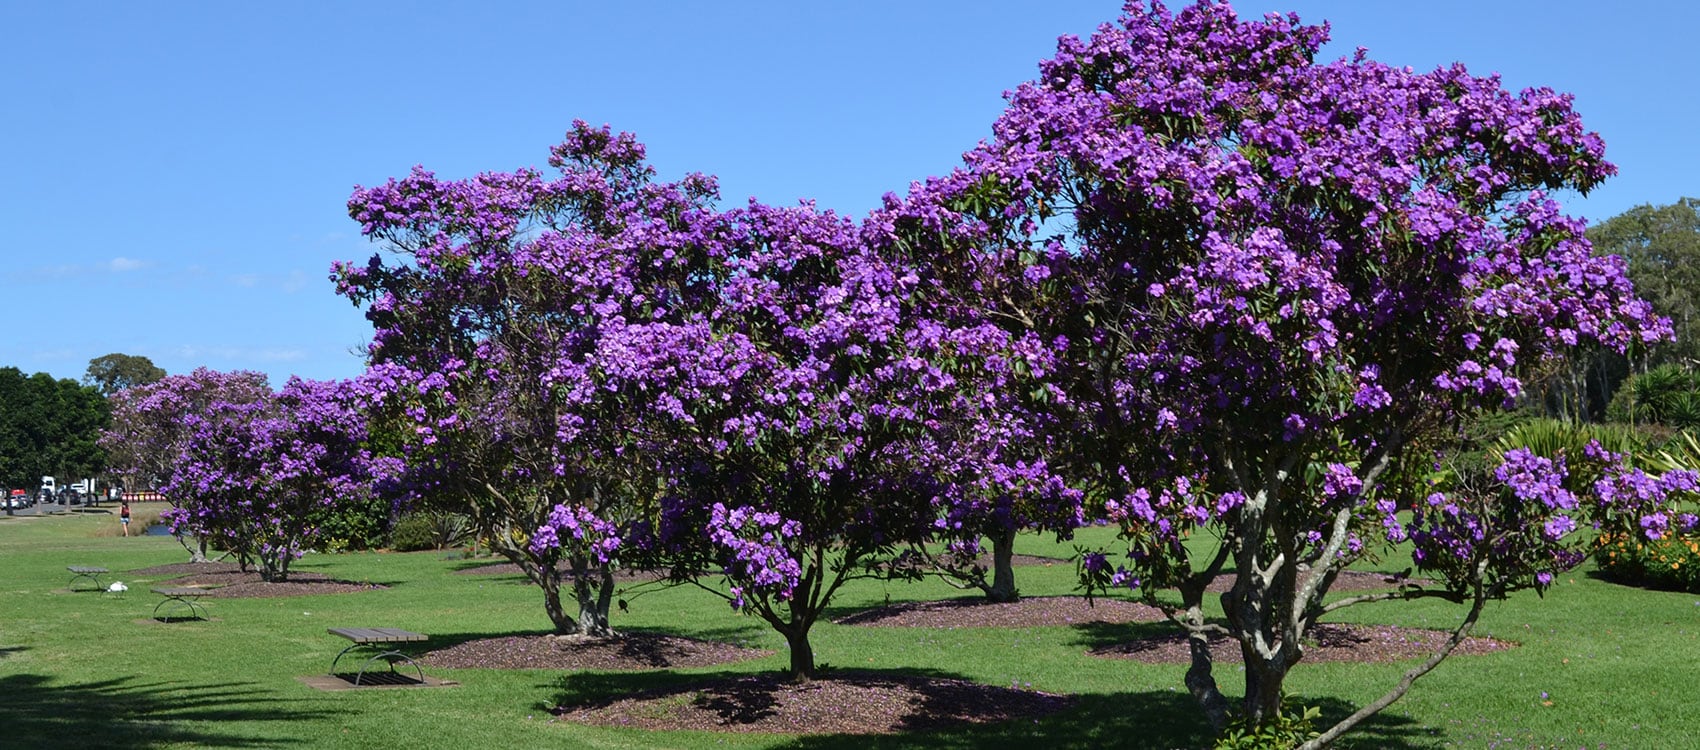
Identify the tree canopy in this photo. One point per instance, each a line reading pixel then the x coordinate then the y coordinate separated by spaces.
pixel 48 427
pixel 111 373
pixel 1260 289
pixel 1662 245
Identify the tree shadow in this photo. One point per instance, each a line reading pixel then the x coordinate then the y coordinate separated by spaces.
pixel 738 635
pixel 1148 719
pixel 122 713
pixel 1634 582
pixel 1096 635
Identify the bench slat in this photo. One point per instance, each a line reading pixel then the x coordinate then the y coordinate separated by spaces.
pixel 377 635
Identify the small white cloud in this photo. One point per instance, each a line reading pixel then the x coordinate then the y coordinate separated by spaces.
pixel 240 354
pixel 294 282
pixel 121 264
pixel 246 280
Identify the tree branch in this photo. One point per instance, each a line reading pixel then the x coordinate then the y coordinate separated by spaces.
pixel 1478 600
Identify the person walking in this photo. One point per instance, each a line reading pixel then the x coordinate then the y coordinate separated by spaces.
pixel 124 516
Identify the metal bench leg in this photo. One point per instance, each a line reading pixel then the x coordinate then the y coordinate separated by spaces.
pixel 195 611
pixel 93 578
pixel 339 657
pixel 391 657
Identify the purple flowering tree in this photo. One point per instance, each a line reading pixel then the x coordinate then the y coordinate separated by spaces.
pixel 152 426
pixel 249 470
pixel 260 476
pixel 818 460
pixel 532 339
pixel 1257 289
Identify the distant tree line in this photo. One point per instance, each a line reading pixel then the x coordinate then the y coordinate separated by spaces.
pixel 49 426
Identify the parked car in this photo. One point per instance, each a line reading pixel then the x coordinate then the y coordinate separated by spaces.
pixel 18 499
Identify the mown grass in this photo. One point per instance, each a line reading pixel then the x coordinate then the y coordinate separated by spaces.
pixel 1598 664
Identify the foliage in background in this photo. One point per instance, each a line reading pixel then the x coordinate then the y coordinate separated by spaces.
pixel 1662 245
pixel 1667 395
pixel 151 428
pixel 257 472
pixel 48 427
pixel 111 373
pixel 430 530
pixel 1553 437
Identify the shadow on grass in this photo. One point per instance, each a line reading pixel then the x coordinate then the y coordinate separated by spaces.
pixel 739 635
pixel 870 610
pixel 1636 583
pixel 1152 719
pixel 122 713
pixel 1095 635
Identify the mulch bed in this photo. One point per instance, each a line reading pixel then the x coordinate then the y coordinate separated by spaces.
pixel 1373 644
pixel 839 704
pixel 1027 612
pixel 1347 580
pixel 227 581
pixel 631 651
pixel 177 569
pixel 622 575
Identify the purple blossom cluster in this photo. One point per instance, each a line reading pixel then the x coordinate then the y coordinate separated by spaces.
pixel 1524 525
pixel 757 556
pixel 578 524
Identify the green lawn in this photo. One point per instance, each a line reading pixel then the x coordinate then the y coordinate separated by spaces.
pixel 78 669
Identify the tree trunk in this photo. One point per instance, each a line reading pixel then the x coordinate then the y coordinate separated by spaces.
pixel 197 553
pixel 594 599
pixel 1200 678
pixel 1264 681
pixel 1003 571
pixel 550 582
pixel 802 654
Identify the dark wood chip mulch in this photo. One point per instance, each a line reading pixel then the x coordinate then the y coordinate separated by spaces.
pixel 234 584
pixel 177 569
pixel 622 575
pixel 1375 644
pixel 630 651
pixel 1346 581
pixel 1028 612
pixel 837 704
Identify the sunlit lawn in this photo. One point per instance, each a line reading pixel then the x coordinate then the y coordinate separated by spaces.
pixel 1598 663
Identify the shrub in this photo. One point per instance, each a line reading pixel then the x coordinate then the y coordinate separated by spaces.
pixel 1667 394
pixel 1293 727
pixel 426 531
pixel 1671 563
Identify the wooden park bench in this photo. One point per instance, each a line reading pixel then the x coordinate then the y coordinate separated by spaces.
pixel 90 573
pixel 181 597
pixel 385 641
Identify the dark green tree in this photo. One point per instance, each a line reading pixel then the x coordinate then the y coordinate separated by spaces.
pixel 114 372
pixel 1662 245
pixel 48 427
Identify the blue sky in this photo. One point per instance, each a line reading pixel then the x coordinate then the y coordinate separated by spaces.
pixel 173 175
